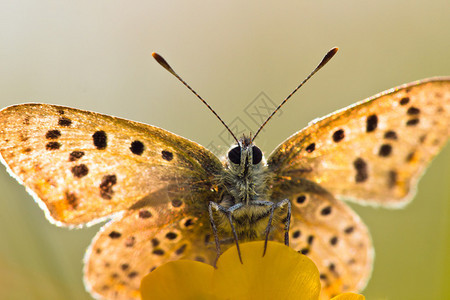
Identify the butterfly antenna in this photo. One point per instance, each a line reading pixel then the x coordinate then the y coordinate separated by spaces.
pixel 166 66
pixel 324 61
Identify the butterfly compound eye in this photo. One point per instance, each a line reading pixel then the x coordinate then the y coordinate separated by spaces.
pixel 257 155
pixel 235 155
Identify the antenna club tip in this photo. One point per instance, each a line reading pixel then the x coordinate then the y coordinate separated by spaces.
pixel 157 57
pixel 332 52
pixel 163 63
pixel 327 57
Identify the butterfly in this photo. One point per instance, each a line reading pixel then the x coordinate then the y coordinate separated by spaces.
pixel 168 198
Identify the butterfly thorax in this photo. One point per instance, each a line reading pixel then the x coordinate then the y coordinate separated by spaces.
pixel 244 186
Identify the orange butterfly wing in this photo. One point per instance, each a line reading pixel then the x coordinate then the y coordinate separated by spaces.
pixel 83 166
pixel 373 151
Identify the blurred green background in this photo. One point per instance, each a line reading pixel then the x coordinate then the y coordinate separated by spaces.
pixel 95 55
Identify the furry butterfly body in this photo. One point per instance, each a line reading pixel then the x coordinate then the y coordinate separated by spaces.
pixel 157 188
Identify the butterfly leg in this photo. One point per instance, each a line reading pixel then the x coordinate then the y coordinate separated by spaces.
pixel 229 214
pixel 269 225
pixel 288 219
pixel 214 229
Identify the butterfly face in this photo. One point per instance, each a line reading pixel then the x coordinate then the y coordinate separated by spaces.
pixel 157 188
pixel 245 173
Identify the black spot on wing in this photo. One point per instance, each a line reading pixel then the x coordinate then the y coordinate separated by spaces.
pixel 392 178
pixel 334 241
pixel 181 250
pixel 349 229
pixel 371 123
pixel 72 200
pixel 65 122
pixel 106 191
pixel 171 235
pixel 53 134
pixel 311 147
pixel 385 150
pixel 410 157
pixel 115 235
pixel 155 242
pixel 100 140
pixel 326 211
pixel 158 252
pixel 177 203
pixel 200 259
pixel 304 251
pixel 422 138
pixel 144 214
pixel 207 238
pixel 166 155
pixel 188 223
pixel 338 135
pixel 137 147
pixel 52 146
pixel 404 101
pixel 296 234
pixel 412 111
pixel 412 122
pixel 332 267
pixel 301 199
pixel 75 155
pixel 80 170
pixel 390 135
pixel 361 170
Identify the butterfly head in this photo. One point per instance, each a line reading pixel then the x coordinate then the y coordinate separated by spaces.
pixel 245 155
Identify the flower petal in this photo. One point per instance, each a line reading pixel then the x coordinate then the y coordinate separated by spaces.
pixel 182 279
pixel 349 296
pixel 281 274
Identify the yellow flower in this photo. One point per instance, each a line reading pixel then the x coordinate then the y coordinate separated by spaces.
pixel 281 274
